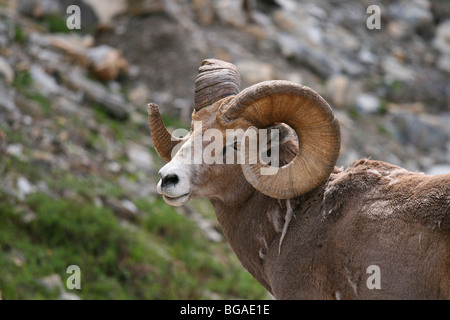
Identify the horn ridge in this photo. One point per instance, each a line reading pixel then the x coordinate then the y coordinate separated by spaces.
pixel 163 141
pixel 216 80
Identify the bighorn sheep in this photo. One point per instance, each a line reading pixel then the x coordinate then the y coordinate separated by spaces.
pixel 311 230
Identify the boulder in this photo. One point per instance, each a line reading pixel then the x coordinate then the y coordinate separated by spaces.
pixel 415 13
pixel 442 43
pixel 139 156
pixel 6 71
pixel 230 12
pixel 107 63
pixel 342 91
pixel 44 82
pixel 114 103
pixel 367 103
pixel 106 10
pixel 425 132
pixel 253 71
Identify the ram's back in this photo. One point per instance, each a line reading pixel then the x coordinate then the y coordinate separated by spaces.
pixel 371 214
pixel 394 219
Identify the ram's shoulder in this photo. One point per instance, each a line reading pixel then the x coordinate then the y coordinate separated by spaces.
pixel 379 190
pixel 362 183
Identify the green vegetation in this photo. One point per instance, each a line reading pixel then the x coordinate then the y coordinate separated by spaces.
pixel 42 101
pixel 55 23
pixel 174 123
pixel 383 109
pixel 24 83
pixel 165 257
pixel 22 80
pixel 354 114
pixel 19 35
pixel 382 130
pixel 158 254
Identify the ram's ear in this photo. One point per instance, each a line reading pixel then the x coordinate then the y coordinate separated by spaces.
pixel 285 133
pixel 285 143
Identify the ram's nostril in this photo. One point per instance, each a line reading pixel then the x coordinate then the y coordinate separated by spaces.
pixel 170 179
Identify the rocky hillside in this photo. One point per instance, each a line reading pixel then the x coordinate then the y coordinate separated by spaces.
pixel 77 167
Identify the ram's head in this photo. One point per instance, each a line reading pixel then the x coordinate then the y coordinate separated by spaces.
pixel 207 162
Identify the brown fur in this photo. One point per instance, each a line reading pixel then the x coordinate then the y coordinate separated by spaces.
pixel 357 218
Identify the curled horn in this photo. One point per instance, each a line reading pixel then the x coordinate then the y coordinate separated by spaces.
pixel 309 115
pixel 163 141
pixel 216 79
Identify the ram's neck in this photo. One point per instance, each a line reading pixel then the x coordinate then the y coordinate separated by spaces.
pixel 254 227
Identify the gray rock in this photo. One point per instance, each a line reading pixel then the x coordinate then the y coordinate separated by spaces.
pixel 45 83
pixel 24 187
pixel 40 8
pixel 45 57
pixel 68 296
pixel 185 108
pixel 443 62
pixel 143 189
pixel 206 226
pixel 367 103
pixel 231 12
pixel 423 131
pixel 253 71
pixel 416 13
pixel 7 102
pixel 114 167
pixel 297 22
pixel 39 39
pixel 15 149
pixel 311 57
pixel 29 216
pixel 139 156
pixel 440 9
pixel 144 7
pixel 106 10
pixel 350 65
pixel 439 169
pixel 139 95
pixel 265 22
pixel 6 71
pixel 342 91
pixel 442 38
pixel 130 206
pixel 400 30
pixel 315 11
pixel 394 70
pixel 17 257
pixel 339 37
pixel 124 209
pixel 107 63
pixel 113 103
pixel 204 10
pixel 52 282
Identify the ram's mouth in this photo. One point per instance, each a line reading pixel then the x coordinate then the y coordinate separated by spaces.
pixel 176 201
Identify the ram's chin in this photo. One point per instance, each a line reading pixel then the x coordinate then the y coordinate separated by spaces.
pixel 176 201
